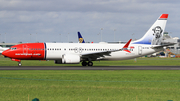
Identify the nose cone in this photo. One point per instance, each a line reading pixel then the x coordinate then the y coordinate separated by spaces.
pixel 5 53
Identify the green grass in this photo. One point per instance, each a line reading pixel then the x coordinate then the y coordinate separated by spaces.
pixel 89 85
pixel 131 62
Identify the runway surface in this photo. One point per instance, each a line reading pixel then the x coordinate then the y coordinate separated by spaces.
pixel 90 68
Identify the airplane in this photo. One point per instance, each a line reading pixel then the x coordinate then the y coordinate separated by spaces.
pixel 81 40
pixel 3 49
pixel 74 53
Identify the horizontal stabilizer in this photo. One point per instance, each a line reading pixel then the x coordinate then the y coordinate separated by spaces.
pixel 164 45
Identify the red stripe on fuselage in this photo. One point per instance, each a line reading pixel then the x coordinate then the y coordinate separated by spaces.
pixel 27 51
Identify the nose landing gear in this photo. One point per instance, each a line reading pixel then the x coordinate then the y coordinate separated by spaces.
pixel 19 64
pixel 19 61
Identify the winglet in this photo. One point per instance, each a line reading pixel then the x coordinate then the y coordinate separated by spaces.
pixel 126 46
pixel 127 50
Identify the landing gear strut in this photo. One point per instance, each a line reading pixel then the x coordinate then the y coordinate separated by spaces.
pixel 19 61
pixel 19 64
pixel 84 63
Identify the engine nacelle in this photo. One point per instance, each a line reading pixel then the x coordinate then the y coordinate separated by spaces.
pixel 68 59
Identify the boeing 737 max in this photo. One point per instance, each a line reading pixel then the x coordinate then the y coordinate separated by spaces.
pixel 70 53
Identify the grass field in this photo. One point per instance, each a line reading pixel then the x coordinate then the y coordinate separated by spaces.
pixel 131 62
pixel 89 85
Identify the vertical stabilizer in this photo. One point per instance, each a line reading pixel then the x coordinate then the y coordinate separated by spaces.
pixel 154 35
pixel 81 40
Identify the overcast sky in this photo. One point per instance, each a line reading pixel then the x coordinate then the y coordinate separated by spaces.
pixel 52 20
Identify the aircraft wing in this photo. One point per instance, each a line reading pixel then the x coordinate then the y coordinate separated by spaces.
pixel 95 55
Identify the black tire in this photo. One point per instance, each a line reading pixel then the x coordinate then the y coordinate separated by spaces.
pixel 19 64
pixel 90 63
pixel 84 63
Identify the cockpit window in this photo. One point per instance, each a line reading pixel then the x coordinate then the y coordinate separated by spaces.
pixel 14 48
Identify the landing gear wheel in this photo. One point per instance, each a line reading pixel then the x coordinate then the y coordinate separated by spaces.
pixel 84 63
pixel 19 64
pixel 90 63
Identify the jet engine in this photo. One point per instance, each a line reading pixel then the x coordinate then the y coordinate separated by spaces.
pixel 68 59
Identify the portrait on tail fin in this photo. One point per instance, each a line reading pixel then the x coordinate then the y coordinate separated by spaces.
pixel 154 35
pixel 157 35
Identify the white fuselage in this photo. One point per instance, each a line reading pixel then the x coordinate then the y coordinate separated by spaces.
pixel 56 50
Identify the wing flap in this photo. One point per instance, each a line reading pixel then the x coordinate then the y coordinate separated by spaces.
pixel 101 54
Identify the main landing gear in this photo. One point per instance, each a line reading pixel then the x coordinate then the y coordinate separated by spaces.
pixel 84 63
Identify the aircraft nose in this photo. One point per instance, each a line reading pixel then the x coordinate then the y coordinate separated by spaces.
pixel 5 53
